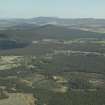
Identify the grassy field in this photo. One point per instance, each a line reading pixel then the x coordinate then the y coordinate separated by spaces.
pixel 18 99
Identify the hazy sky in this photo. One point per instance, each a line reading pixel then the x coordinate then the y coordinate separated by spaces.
pixel 55 8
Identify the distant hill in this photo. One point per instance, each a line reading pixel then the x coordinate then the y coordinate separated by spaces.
pixel 30 33
pixel 90 24
pixel 20 33
pixel 18 37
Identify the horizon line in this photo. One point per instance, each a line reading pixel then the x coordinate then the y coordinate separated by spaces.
pixel 4 18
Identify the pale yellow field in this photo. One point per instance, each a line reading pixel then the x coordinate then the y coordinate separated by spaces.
pixel 18 99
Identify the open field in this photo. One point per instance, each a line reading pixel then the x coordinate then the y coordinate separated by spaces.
pixel 18 99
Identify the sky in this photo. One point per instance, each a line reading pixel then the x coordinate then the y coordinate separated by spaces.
pixel 52 8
